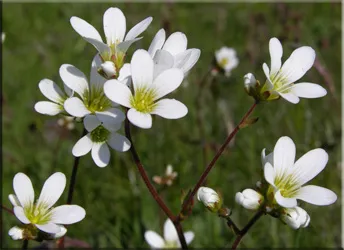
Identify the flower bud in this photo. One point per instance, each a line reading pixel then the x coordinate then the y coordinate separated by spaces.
pixel 108 68
pixel 16 233
pixel 209 198
pixel 295 217
pixel 249 199
pixel 250 83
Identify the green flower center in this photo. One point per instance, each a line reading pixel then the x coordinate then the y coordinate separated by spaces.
pixel 223 62
pixel 95 100
pixel 171 244
pixel 288 185
pixel 100 134
pixel 38 213
pixel 143 100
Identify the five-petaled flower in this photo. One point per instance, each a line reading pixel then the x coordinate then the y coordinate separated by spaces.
pixel 41 213
pixel 226 59
pixel 287 177
pixel 280 80
pixel 170 239
pixel 147 92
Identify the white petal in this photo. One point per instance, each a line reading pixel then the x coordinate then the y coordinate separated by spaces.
pixel 111 119
pixel 50 227
pixel 96 80
pixel 167 81
pixel 267 74
pixel 89 33
pixel 251 194
pixel 276 52
pixel 124 46
pixel 23 189
pixel 83 146
pixel 52 189
pixel 68 91
pixel 138 28
pixel 14 200
pixel 285 202
pixel 75 107
pixel 189 236
pixel 51 91
pixel 290 97
pixel 142 67
pixel 316 195
pixel 170 109
pixel 284 155
pixel 114 25
pixel 269 173
pixel 308 90
pixel 19 213
pixel 101 154
pixel 91 122
pixel 191 61
pixel 74 79
pixel 163 60
pixel 299 62
pixel 310 165
pixel 118 92
pixel 119 142
pixel 170 232
pixel 157 43
pixel 267 158
pixel 67 214
pixel 139 119
pixel 48 108
pixel 176 43
pixel 154 240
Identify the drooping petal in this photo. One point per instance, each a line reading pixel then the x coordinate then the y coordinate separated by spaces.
pixel 299 62
pixel 75 107
pixel 157 42
pixel 163 60
pixel 167 81
pixel 74 79
pixel 267 158
pixel 310 165
pixel 91 122
pixel 176 43
pixel 48 108
pixel 111 119
pixel 52 189
pixel 316 195
pixel 142 67
pixel 308 90
pixel 101 154
pixel 154 240
pixel 191 61
pixel 23 189
pixel 51 91
pixel 83 146
pixel 284 155
pixel 138 28
pixel 50 228
pixel 19 213
pixel 285 202
pixel 276 52
pixel 114 25
pixel 96 80
pixel 118 92
pixel 119 142
pixel 124 46
pixel 290 97
pixel 67 214
pixel 139 119
pixel 170 232
pixel 269 174
pixel 89 33
pixel 189 236
pixel 170 109
pixel 14 200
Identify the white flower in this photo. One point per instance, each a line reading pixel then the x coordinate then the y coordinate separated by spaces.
pixel 280 80
pixel 16 233
pixel 209 198
pixel 170 239
pixel 52 91
pixel 287 177
pixel 147 91
pixel 249 199
pixel 227 59
pixel 172 53
pixel 67 122
pixel 249 81
pixel 295 217
pixel 41 214
pixel 117 43
pixel 92 99
pixel 102 132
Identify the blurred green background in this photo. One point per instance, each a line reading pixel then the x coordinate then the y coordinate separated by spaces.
pixel 39 38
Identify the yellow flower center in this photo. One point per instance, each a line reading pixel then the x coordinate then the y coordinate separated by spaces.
pixel 95 100
pixel 38 213
pixel 143 100
pixel 100 134
pixel 287 184
pixel 223 62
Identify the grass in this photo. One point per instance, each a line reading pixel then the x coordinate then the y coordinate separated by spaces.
pixel 39 39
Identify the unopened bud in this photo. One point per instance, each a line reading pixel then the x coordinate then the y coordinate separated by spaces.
pixel 250 84
pixel 209 198
pixel 295 217
pixel 108 68
pixel 16 233
pixel 249 199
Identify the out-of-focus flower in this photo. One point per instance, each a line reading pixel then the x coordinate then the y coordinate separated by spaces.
pixel 102 132
pixel 209 198
pixel 170 239
pixel 3 37
pixel 281 79
pixel 66 122
pixel 287 177
pixel 145 102
pixel 295 217
pixel 249 199
pixel 166 179
pixel 41 214
pixel 226 59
